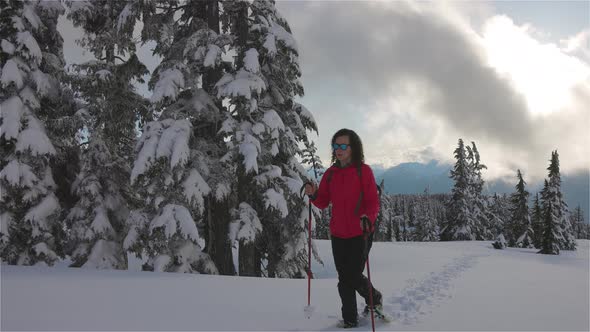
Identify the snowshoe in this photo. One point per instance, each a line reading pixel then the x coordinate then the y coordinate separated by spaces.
pixel 378 311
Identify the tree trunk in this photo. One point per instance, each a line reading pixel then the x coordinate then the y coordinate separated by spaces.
pixel 249 260
pixel 218 217
pixel 212 75
pixel 218 245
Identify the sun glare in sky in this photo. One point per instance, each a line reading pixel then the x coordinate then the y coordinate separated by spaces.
pixel 542 72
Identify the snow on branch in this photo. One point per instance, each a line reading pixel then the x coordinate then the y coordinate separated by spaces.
pixel 18 174
pixel 277 201
pixel 162 139
pixel 33 138
pixel 249 149
pixel 269 173
pixel 11 74
pixel 251 63
pixel 34 51
pixel 176 219
pixel 11 112
pixel 240 85
pixel 195 189
pixel 169 83
pixel 246 225
pixel 38 215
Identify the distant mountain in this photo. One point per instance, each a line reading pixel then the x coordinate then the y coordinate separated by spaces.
pixel 413 178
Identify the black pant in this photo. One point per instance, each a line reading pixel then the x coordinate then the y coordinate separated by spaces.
pixel 350 258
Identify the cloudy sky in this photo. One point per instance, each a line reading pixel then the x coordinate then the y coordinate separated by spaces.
pixel 413 77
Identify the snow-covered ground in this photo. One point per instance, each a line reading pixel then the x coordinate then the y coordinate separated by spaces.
pixel 426 286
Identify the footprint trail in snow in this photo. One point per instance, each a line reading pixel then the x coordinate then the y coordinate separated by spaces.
pixel 419 297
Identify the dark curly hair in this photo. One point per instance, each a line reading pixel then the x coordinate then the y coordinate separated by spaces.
pixel 358 156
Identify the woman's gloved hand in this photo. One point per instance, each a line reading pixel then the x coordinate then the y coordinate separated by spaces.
pixel 310 189
pixel 366 225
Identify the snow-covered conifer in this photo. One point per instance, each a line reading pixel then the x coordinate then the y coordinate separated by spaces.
pixel 500 242
pixel 468 209
pixel 266 127
pixel 537 222
pixel 479 202
pixel 498 213
pixel 461 225
pixel 112 109
pixel 427 228
pixel 519 230
pixel 555 212
pixel 30 53
pixel 186 146
pixel 577 222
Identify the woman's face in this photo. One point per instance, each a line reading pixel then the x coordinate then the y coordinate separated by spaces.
pixel 343 155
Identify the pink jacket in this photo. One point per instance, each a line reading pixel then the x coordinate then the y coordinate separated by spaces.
pixel 343 191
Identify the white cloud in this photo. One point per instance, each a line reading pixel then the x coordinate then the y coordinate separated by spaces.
pixel 578 45
pixel 542 72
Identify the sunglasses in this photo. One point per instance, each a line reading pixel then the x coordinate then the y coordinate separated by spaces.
pixel 340 146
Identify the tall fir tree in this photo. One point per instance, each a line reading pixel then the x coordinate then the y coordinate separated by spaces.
pixel 557 231
pixel 461 225
pixel 551 228
pixel 426 224
pixel 265 126
pixel 179 171
pixel 467 213
pixel 537 223
pixel 498 214
pixel 31 53
pixel 59 114
pixel 577 222
pixel 479 205
pixel 520 232
pixel 384 230
pixel 112 107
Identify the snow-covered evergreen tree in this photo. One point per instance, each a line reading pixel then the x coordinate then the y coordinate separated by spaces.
pixel 279 68
pixel 179 170
pixel 498 213
pixel 265 126
pixel 426 223
pixel 112 109
pixel 468 209
pixel 385 229
pixel 577 222
pixel 479 202
pixel 551 228
pixel 537 223
pixel 461 225
pixel 556 215
pixel 519 230
pixel 500 242
pixel 30 51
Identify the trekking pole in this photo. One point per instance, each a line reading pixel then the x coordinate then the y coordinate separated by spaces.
pixel 308 309
pixel 370 285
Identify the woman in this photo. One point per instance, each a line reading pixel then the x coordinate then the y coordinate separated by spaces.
pixel 350 186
